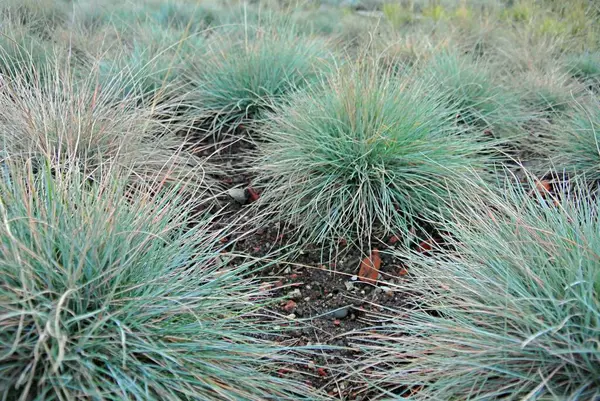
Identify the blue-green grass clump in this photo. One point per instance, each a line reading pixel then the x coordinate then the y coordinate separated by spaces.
pixel 23 54
pixel 41 17
pixel 245 74
pixel 114 297
pixel 512 313
pixel 71 118
pixel 152 67
pixel 482 103
pixel 585 67
pixel 365 153
pixel 575 145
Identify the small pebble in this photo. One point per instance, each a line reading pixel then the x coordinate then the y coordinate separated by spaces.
pixel 291 316
pixel 354 278
pixel 238 195
pixel 339 313
pixel 349 285
pixel 296 294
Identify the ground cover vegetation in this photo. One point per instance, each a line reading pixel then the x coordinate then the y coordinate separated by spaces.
pixel 299 200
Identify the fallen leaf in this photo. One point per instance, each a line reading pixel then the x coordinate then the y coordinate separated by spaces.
pixel 393 239
pixel 336 322
pixel 426 246
pixel 253 194
pixel 290 306
pixel 369 268
pixel 543 187
pixel 403 271
pixel 321 372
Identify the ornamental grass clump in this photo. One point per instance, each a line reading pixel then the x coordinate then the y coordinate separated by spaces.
pixel 64 118
pixel 482 103
pixel 575 146
pixel 364 153
pixel 586 67
pixel 104 296
pixel 151 68
pixel 41 17
pixel 511 313
pixel 23 54
pixel 243 75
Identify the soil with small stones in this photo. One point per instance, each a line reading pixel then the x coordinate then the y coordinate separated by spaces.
pixel 321 301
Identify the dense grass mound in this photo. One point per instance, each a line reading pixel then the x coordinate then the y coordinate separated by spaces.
pixel 243 75
pixel 152 67
pixel 586 67
pixel 576 145
pixel 64 119
pixel 513 314
pixel 481 101
pixel 364 151
pixel 104 297
pixel 40 16
pixel 23 54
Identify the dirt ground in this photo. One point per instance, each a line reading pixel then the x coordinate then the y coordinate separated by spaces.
pixel 324 298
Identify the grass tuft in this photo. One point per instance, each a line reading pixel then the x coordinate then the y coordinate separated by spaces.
pixel 241 77
pixel 576 142
pixel 64 119
pixel 104 297
pixel 482 102
pixel 367 153
pixel 512 313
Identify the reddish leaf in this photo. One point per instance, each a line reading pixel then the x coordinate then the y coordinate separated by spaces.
pixel 369 268
pixel 321 372
pixel 426 246
pixel 393 239
pixel 543 187
pixel 253 194
pixel 290 306
pixel 403 271
pixel 336 322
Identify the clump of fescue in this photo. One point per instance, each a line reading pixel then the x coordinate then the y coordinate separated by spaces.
pixel 482 102
pixel 243 75
pixel 124 298
pixel 548 94
pixel 62 118
pixel 513 312
pixel 39 16
pixel 364 153
pixel 23 54
pixel 575 145
pixel 152 67
pixel 585 67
